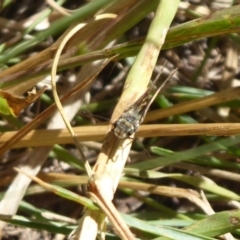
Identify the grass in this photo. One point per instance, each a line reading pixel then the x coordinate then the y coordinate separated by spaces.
pixel 185 187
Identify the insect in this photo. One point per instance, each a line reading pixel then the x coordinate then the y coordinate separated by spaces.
pixel 130 120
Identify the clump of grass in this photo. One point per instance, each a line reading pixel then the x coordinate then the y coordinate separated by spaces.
pixel 185 185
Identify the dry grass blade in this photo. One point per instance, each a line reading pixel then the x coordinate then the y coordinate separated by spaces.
pixel 211 172
pixel 111 160
pixel 216 98
pixel 113 215
pixel 191 195
pixel 49 137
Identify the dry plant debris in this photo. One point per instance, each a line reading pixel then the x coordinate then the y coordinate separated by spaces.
pixel 180 179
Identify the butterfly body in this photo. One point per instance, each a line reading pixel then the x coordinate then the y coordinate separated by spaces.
pixel 127 124
pixel 131 119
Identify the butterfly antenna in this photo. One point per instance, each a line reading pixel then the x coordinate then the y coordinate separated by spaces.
pixel 90 115
pixel 159 89
pixel 159 74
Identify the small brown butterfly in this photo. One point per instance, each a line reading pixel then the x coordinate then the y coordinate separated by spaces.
pixel 131 118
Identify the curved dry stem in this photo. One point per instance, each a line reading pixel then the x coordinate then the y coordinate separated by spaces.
pixel 57 100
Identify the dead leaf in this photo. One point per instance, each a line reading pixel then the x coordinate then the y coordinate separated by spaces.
pixel 13 105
